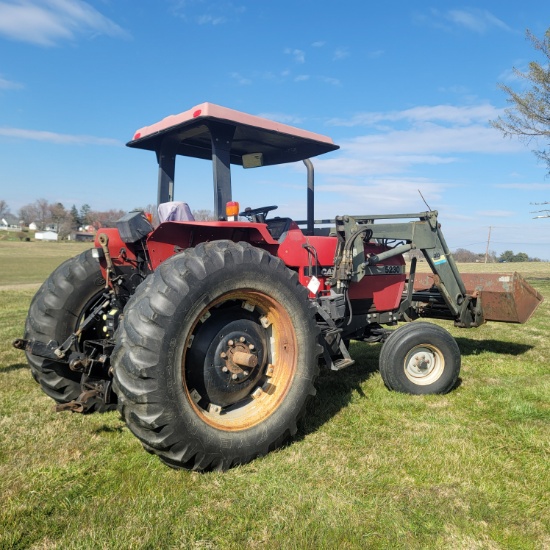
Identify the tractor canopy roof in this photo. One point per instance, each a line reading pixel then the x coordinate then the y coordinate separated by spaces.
pixel 251 140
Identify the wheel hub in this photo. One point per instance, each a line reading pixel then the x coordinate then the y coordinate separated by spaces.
pixel 240 357
pixel 424 365
pixel 227 358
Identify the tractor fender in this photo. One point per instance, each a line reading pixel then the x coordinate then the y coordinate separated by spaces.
pixel 170 238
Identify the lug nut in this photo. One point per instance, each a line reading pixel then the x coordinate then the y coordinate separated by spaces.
pixel 223 355
pixel 234 376
pixel 250 347
pixel 224 369
pixel 230 343
pixel 242 339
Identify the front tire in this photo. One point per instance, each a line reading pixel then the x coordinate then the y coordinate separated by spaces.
pixel 216 356
pixel 420 358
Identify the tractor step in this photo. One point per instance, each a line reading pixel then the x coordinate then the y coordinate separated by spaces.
pixel 340 364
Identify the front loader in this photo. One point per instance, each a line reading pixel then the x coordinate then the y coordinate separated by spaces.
pixel 208 335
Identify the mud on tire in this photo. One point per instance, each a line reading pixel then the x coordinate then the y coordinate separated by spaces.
pixel 216 356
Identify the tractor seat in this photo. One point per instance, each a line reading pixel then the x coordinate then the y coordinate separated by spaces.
pixel 175 211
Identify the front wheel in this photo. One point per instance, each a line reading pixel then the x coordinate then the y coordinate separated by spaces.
pixel 420 358
pixel 216 356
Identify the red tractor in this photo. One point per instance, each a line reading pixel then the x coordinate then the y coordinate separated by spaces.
pixel 208 336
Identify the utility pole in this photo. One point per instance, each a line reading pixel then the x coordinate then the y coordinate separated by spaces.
pixel 488 241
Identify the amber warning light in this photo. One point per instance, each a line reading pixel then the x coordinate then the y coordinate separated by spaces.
pixel 232 211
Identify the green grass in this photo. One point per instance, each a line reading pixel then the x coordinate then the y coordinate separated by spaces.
pixel 369 469
pixel 32 262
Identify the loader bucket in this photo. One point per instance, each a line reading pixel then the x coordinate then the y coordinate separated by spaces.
pixel 505 297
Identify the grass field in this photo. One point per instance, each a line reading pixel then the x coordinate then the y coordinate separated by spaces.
pixel 370 468
pixel 31 262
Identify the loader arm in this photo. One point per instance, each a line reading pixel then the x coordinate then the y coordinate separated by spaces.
pixel 444 296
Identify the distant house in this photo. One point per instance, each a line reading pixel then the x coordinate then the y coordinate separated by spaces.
pixel 9 221
pixel 45 236
pixel 33 226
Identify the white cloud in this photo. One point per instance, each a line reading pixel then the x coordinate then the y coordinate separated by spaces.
pixel 243 81
pixel 374 194
pixel 299 55
pixel 9 84
pixel 496 213
pixel 441 113
pixel 430 139
pixel 329 80
pixel 375 54
pixel 206 13
pixel 472 19
pixel 426 136
pixel 395 152
pixel 525 186
pixel 359 161
pixel 476 20
pixel 282 117
pixel 46 22
pixel 340 53
pixel 208 19
pixel 53 137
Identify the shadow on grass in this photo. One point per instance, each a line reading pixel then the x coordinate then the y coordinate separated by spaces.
pixel 335 389
pixel 14 367
pixel 110 429
pixel 475 347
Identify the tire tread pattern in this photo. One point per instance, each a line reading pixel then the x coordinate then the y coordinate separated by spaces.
pixel 138 359
pixel 52 315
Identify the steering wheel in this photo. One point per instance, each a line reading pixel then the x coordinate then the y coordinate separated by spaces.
pixel 257 214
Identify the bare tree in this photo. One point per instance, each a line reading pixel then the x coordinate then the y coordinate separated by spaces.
pixel 4 208
pixel 43 213
pixel 203 215
pixel 107 218
pixel 58 214
pixel 28 214
pixel 528 118
pixel 38 212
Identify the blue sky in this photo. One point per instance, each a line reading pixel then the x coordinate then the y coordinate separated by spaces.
pixel 405 88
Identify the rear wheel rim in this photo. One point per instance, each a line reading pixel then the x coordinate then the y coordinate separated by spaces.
pixel 262 378
pixel 424 364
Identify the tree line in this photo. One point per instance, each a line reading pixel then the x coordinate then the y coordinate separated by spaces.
pixel 64 221
pixel 463 255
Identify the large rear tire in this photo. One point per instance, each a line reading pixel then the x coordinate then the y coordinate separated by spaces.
pixel 55 313
pixel 216 356
pixel 420 358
